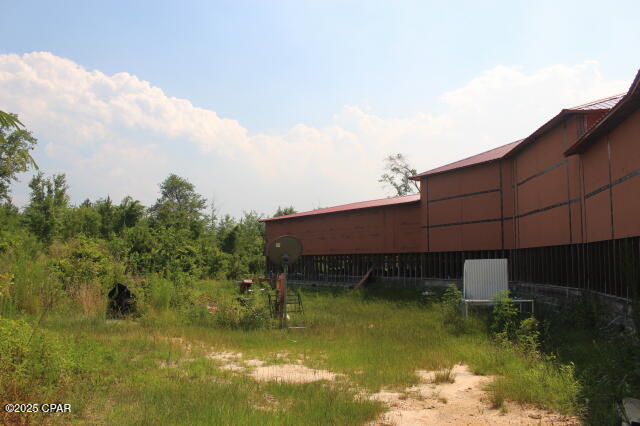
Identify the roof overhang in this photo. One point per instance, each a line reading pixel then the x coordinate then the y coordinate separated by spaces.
pixel 623 109
pixel 486 157
pixel 383 202
pixel 504 151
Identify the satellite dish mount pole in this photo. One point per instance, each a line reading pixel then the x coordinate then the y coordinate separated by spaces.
pixel 283 318
pixel 283 298
pixel 283 250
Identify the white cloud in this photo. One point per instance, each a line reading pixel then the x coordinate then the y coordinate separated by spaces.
pixel 120 135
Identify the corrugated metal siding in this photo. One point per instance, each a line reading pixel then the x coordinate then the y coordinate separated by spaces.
pixel 484 278
pixel 535 197
pixel 464 209
pixel 507 204
pixel 612 190
pixel 544 200
pixel 389 229
pixel 597 215
pixel 565 221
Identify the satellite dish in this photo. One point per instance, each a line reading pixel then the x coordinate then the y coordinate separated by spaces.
pixel 285 250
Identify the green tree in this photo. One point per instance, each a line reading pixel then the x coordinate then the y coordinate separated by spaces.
pixel 179 205
pixel 141 248
pixel 15 145
pixel 83 220
pixel 130 212
pixel 225 226
pixel 108 216
pixel 10 226
pixel 283 211
pixel 47 204
pixel 397 174
pixel 250 242
pixel 230 240
pixel 215 263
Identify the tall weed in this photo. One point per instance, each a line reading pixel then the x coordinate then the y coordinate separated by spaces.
pixel 27 285
pixel 162 292
pixel 505 317
pixel 450 303
pixel 248 315
pixel 34 365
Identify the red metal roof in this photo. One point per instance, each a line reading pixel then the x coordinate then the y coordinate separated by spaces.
pixel 484 157
pixel 352 206
pixel 625 107
pixel 600 104
pixel 606 103
pixel 504 150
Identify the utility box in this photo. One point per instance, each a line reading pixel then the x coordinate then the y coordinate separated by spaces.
pixel 484 278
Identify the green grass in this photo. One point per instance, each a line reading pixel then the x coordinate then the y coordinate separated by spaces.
pixel 444 376
pixel 606 364
pixel 372 339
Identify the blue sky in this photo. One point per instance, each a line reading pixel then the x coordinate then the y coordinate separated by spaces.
pixel 344 83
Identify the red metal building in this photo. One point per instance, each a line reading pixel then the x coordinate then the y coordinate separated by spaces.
pixel 562 204
pixel 390 225
pixel 609 155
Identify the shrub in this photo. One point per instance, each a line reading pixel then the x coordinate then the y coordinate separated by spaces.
pixel 26 284
pixel 32 363
pixel 530 382
pixel 84 260
pixel 17 240
pixel 215 262
pixel 451 298
pixel 85 271
pixel 528 336
pixel 249 315
pixel 161 292
pixel 505 317
pixel 450 305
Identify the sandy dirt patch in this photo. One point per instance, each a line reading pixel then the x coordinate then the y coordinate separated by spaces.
pixel 175 363
pixel 259 371
pixel 232 366
pixel 179 341
pixel 290 373
pixel 231 361
pixel 462 402
pixel 254 362
pixel 225 356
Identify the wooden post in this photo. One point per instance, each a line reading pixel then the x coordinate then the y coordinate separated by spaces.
pixel 281 288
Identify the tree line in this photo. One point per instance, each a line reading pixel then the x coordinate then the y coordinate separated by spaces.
pixel 175 234
pixel 180 232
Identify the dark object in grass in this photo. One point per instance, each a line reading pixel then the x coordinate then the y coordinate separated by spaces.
pixel 243 301
pixel 121 301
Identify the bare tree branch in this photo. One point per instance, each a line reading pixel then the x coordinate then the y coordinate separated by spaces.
pixel 397 174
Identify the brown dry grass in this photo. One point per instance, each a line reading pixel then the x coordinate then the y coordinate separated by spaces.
pixel 91 299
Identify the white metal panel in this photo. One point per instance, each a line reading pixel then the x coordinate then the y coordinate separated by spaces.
pixel 484 278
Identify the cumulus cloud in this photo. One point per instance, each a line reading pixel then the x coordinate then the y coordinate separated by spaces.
pixel 118 134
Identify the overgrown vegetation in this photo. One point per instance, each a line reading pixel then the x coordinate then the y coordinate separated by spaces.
pixel 59 260
pixel 519 334
pixel 605 359
pixel 109 370
pixel 524 372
